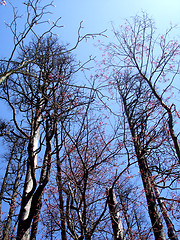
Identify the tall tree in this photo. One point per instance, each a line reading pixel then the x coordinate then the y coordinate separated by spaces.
pixel 81 176
pixel 31 93
pixel 154 58
pixel 143 68
pixel 133 93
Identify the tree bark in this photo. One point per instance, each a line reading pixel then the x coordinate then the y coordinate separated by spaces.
pixel 171 230
pixel 36 196
pixel 146 179
pixel 151 200
pixel 114 212
pixel 13 200
pixel 30 181
pixel 60 191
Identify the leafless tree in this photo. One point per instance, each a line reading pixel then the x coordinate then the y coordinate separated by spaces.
pixel 35 16
pixel 138 62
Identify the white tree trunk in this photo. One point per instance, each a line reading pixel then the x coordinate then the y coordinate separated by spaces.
pixel 30 182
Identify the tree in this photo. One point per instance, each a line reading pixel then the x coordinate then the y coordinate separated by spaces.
pixel 34 15
pixel 36 84
pixel 31 93
pixel 11 183
pixel 138 45
pixel 136 71
pixel 81 177
pixel 133 100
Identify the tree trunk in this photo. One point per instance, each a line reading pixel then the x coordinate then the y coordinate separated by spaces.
pixel 36 196
pixel 29 189
pixel 171 231
pixel 30 181
pixel 146 179
pixel 114 212
pixel 7 227
pixel 151 200
pixel 3 187
pixel 60 191
pixel 129 230
pixel 36 219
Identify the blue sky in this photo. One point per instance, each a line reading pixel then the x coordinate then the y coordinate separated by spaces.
pixel 97 16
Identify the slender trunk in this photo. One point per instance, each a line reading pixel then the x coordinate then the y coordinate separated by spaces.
pixel 138 226
pixel 3 186
pixel 7 226
pixel 171 230
pixel 61 204
pixel 170 116
pixel 147 181
pixel 60 189
pixel 129 231
pixel 114 212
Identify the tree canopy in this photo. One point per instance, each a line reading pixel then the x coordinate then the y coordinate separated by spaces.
pixel 90 156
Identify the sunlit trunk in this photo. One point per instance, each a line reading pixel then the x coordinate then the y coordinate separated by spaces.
pixel 30 181
pixel 115 217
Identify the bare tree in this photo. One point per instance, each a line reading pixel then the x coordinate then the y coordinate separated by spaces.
pixel 34 15
pixel 133 94
pixel 143 66
pixel 32 93
pixel 154 58
pixel 10 187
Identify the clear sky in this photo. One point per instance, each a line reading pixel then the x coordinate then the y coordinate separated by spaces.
pixel 98 13
pixel 97 16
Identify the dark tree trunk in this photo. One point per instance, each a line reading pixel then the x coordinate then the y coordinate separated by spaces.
pixel 171 230
pixel 145 176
